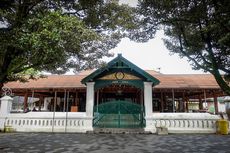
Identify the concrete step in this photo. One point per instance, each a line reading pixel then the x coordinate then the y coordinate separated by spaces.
pixel 120 131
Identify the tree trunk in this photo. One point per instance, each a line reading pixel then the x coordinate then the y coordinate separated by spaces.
pixel 220 80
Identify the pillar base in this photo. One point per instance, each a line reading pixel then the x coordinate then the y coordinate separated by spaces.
pixel 149 126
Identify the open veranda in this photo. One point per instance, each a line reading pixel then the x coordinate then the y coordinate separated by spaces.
pixel 117 96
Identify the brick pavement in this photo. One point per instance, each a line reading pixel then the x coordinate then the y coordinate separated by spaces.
pixel 112 143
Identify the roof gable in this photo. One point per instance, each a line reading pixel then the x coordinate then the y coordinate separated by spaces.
pixel 120 64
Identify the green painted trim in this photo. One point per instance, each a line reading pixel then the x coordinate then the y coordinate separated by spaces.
pixel 103 83
pixel 121 64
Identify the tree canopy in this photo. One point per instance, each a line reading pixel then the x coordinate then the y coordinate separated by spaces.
pixel 196 29
pixel 56 35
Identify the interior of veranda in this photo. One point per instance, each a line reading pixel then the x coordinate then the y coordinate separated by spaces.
pixel 74 100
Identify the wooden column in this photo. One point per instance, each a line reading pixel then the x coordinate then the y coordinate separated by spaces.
pixel 55 101
pixel 166 108
pixel 67 102
pixel 76 99
pixel 25 102
pixel 173 101
pixel 54 109
pixel 215 103
pixel 64 105
pixel 186 99
pixel 181 105
pixel 162 102
pixel 205 100
pixel 41 100
pixel 200 103
pixel 184 102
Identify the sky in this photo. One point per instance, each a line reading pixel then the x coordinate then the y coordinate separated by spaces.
pixel 152 56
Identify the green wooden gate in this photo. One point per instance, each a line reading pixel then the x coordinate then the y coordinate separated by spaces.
pixel 119 114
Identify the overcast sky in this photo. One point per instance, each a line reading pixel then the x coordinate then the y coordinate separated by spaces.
pixel 153 55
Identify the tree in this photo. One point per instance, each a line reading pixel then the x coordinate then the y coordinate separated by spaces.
pixel 196 29
pixel 56 35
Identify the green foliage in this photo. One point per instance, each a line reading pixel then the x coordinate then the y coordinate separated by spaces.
pixel 57 35
pixel 25 75
pixel 196 29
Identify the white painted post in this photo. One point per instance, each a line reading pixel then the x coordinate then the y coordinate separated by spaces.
pixel 6 105
pixel 90 99
pixel 148 106
pixel 148 99
pixel 89 105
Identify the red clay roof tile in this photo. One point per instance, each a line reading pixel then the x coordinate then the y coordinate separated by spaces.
pixel 74 81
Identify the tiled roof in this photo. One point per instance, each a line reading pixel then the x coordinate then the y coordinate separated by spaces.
pixel 187 81
pixel 51 81
pixel 74 81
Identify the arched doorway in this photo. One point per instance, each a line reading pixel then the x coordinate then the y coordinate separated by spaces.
pixel 119 106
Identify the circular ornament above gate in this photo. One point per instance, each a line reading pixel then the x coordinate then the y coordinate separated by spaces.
pixel 119 75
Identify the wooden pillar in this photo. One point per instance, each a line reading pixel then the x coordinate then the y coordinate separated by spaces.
pixel 41 100
pixel 25 102
pixel 184 102
pixel 173 101
pixel 55 101
pixel 32 99
pixel 162 102
pixel 54 109
pixel 64 106
pixel 200 103
pixel 67 102
pixel 215 103
pixel 166 107
pixel 205 100
pixel 76 99
pixel 180 105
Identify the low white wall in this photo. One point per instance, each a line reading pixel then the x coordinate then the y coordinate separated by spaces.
pixel 183 122
pixel 184 116
pixel 49 122
pixel 79 122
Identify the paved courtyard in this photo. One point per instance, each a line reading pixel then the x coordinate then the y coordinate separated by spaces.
pixel 112 143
